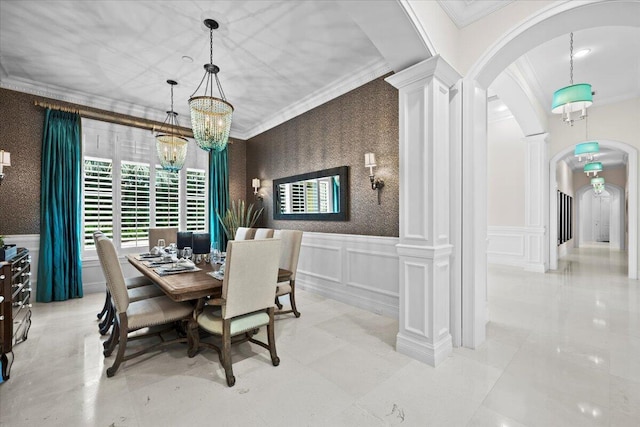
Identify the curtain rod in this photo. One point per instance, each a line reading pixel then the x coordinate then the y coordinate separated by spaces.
pixel 108 116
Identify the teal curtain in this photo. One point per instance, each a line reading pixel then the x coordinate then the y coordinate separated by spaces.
pixel 59 263
pixel 336 194
pixel 218 194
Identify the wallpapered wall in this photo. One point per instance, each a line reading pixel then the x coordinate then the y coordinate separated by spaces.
pixel 21 135
pixel 334 134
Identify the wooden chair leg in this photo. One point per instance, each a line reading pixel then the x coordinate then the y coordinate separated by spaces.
pixel 105 325
pixel 226 352
pixel 271 340
pixel 292 297
pixel 113 340
pixel 113 336
pixel 278 303
pixel 122 346
pixel 193 337
pixel 105 307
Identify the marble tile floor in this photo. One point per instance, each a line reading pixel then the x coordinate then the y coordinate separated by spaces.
pixel 562 349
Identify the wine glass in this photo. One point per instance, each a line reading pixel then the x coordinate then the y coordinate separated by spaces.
pixel 187 252
pixel 161 243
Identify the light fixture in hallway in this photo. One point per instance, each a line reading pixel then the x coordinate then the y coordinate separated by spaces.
pixel 171 147
pixel 598 184
pixel 586 150
pixel 593 168
pixel 572 98
pixel 210 116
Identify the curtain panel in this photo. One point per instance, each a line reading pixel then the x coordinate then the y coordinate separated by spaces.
pixel 60 265
pixel 218 194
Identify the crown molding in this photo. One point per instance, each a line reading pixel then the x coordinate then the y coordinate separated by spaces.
pixel 365 74
pixel 463 13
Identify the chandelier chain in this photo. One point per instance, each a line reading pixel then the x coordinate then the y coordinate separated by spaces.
pixel 571 60
pixel 211 45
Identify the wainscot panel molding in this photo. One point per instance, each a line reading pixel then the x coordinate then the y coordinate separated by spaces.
pixel 516 246
pixel 361 271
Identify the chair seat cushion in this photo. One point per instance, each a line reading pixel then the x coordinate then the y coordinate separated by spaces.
pixel 283 288
pixel 156 311
pixel 211 320
pixel 144 292
pixel 137 281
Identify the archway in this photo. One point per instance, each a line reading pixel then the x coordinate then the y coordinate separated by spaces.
pixel 617 229
pixel 551 22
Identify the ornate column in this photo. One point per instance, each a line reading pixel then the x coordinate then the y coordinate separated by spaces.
pixel 425 247
pixel 536 202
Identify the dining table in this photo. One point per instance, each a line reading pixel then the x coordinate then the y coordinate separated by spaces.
pixel 190 285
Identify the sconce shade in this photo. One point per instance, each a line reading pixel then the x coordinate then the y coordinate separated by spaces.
pixel 572 98
pixel 369 160
pixel 255 183
pixel 586 149
pixel 593 168
pixel 5 158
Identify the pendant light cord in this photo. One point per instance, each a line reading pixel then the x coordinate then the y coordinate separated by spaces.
pixel 571 60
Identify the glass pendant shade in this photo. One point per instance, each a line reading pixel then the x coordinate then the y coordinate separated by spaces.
pixel 210 122
pixel 572 98
pixel 172 151
pixel 593 168
pixel 586 149
pixel 171 147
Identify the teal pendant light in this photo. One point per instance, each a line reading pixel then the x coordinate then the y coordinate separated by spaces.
pixel 586 149
pixel 598 184
pixel 593 168
pixel 572 98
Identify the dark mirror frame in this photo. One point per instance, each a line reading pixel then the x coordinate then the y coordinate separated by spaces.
pixel 343 215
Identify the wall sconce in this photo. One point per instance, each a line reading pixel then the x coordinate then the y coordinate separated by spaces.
pixel 5 160
pixel 255 183
pixel 376 183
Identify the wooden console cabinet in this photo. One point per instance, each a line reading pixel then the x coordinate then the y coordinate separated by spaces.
pixel 15 305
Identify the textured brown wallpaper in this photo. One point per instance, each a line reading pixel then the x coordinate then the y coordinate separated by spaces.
pixel 21 125
pixel 334 134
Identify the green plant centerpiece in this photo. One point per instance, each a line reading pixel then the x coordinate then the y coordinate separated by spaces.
pixel 238 215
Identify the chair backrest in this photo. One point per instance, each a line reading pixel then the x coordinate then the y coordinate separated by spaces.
pixel 113 273
pixel 290 252
pixel 244 233
pixel 250 276
pixel 169 234
pixel 263 233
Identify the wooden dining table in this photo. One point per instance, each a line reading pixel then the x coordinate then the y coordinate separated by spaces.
pixel 190 285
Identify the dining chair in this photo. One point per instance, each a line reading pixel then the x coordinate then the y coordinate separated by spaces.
pixel 263 233
pixel 291 241
pixel 139 287
pixel 246 303
pixel 169 234
pixel 244 233
pixel 133 316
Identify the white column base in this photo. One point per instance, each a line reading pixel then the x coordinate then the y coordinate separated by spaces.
pixel 423 350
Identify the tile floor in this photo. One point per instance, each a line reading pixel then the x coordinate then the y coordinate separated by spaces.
pixel 562 349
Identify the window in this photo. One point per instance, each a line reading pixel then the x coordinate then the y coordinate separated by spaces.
pixel 125 192
pixel 196 200
pixel 98 198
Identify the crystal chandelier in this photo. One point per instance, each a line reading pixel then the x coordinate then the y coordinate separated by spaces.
pixel 171 147
pixel 210 116
pixel 575 97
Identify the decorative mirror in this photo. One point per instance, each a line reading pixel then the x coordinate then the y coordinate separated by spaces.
pixel 319 196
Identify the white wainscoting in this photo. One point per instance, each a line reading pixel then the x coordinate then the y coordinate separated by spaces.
pixel 506 246
pixel 358 270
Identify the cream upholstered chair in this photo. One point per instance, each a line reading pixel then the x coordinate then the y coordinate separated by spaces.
pixel 244 233
pixel 263 233
pixel 291 241
pixel 248 288
pixel 132 316
pixel 169 234
pixel 139 287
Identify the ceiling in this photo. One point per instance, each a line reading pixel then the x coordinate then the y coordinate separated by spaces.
pixel 277 58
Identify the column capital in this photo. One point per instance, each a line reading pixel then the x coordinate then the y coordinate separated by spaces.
pixel 425 70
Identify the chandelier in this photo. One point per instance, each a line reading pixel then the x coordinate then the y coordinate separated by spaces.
pixel 593 168
pixel 598 184
pixel 171 147
pixel 587 149
pixel 210 116
pixel 575 97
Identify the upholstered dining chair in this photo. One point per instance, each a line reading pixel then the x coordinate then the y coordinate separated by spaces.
pixel 139 287
pixel 246 303
pixel 263 233
pixel 169 234
pixel 244 233
pixel 133 316
pixel 289 254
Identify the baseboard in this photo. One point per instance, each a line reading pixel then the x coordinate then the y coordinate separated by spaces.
pixel 423 351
